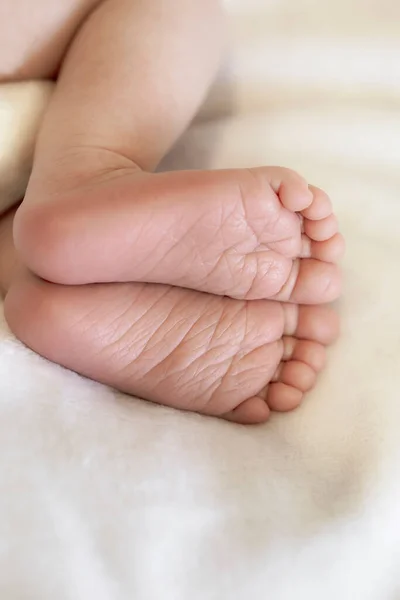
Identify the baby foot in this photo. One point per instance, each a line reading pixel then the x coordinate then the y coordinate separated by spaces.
pixel 247 234
pixel 210 354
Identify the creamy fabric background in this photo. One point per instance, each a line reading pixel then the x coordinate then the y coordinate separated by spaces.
pixel 107 497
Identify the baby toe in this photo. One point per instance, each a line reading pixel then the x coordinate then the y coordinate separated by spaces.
pixel 253 411
pixel 292 189
pixel 321 230
pixel 306 351
pixel 320 207
pixel 331 250
pixel 311 323
pixel 298 374
pixel 311 281
pixel 282 397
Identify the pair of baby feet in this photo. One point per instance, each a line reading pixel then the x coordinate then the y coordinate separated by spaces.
pixel 232 272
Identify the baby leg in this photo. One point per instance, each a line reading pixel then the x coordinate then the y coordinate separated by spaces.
pixel 186 349
pixel 132 80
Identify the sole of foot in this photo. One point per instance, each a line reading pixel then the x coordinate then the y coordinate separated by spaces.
pixel 248 234
pixel 189 350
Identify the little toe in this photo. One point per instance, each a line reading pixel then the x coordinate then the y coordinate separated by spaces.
pixel 321 206
pixel 321 230
pixel 292 189
pixel 253 411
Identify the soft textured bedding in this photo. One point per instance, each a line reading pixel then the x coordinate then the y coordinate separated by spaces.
pixel 108 497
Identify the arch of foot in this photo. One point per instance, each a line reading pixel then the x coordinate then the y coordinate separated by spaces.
pixel 22 106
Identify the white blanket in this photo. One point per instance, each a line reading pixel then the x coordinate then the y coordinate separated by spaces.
pixel 107 497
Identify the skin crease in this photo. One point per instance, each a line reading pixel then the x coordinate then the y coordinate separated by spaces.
pixel 187 289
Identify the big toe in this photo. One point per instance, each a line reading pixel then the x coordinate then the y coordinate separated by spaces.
pixel 311 281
